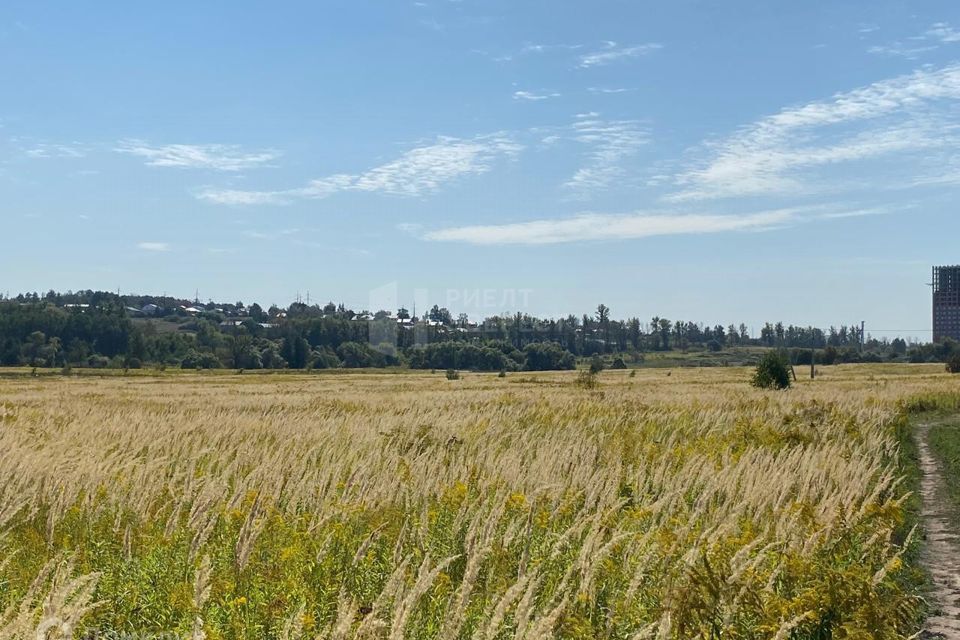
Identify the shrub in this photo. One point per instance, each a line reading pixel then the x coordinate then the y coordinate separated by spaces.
pixel 357 355
pixel 773 372
pixel 953 364
pixel 502 374
pixel 459 355
pixel 98 362
pixel 547 356
pixel 596 364
pixel 199 360
pixel 453 374
pixel 587 379
pixel 618 363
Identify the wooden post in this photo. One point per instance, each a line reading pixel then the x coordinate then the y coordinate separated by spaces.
pixel 813 358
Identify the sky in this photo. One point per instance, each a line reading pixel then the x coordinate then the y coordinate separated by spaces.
pixel 743 161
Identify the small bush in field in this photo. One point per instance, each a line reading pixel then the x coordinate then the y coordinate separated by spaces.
pixel 773 372
pixel 587 379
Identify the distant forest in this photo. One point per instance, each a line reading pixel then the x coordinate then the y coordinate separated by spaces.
pixel 102 329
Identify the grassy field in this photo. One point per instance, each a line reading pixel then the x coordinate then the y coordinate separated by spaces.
pixel 945 443
pixel 670 504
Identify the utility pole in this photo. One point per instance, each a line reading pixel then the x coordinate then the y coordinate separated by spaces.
pixel 813 358
pixel 863 335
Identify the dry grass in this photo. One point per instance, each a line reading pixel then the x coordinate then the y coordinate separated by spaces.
pixel 386 506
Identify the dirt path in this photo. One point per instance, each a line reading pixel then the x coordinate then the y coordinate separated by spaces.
pixel 942 551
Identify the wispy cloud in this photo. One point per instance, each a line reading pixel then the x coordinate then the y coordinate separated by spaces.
pixel 610 143
pixel 530 48
pixel 44 150
pixel 532 96
pixel 614 53
pixel 939 33
pixel 270 235
pixel 218 157
pixel 910 51
pixel 943 32
pixel 153 246
pixel 609 90
pixel 901 114
pixel 417 172
pixel 597 226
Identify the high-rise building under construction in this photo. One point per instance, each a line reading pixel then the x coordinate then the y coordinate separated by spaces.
pixel 946 303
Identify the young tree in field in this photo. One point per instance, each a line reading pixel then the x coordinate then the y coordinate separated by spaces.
pixel 596 364
pixel 772 372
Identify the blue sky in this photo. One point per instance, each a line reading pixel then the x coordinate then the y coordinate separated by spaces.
pixel 717 162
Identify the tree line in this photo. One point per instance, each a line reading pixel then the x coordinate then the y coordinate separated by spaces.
pixel 103 329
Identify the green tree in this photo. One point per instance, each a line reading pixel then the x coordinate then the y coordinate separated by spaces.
pixel 772 372
pixel 664 326
pixel 596 364
pixel 953 364
pixel 603 321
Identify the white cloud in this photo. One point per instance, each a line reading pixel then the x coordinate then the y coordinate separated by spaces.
pixel 424 169
pixel 218 157
pixel 533 97
pixel 943 32
pixel 939 33
pixel 900 49
pixel 610 142
pixel 530 48
pixel 153 246
pixel 605 90
pixel 56 151
pixel 901 114
pixel 239 197
pixel 417 172
pixel 595 226
pixel 270 235
pixel 613 53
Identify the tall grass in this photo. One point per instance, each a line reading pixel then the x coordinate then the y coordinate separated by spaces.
pixel 384 506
